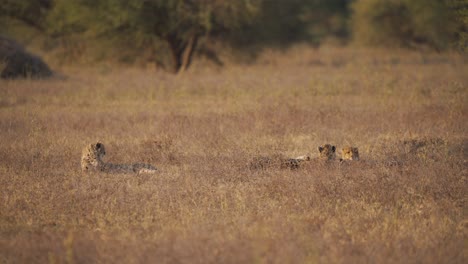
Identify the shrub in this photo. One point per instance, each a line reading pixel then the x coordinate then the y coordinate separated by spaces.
pixel 403 23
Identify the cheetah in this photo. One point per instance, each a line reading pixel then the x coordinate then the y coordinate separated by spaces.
pixel 349 153
pixel 294 163
pixel 91 160
pixel 327 152
pixel 263 162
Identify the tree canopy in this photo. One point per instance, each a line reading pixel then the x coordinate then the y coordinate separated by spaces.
pixel 170 31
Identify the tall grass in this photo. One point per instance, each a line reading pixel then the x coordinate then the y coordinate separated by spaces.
pixel 405 201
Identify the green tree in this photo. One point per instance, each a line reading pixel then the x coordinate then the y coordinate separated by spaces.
pixel 460 9
pixel 403 23
pixel 178 23
pixel 182 22
pixel 31 12
pixel 284 22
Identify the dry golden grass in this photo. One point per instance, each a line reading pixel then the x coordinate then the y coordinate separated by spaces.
pixel 404 202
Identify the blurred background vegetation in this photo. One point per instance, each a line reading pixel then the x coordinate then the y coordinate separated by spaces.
pixel 169 33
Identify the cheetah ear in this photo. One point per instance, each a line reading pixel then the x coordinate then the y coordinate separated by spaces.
pixel 320 149
pixel 333 148
pixel 98 145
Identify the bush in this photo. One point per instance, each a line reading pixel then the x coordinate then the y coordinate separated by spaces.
pixel 403 23
pixel 460 8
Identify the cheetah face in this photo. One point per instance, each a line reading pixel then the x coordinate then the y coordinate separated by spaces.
pixel 99 150
pixel 350 153
pixel 327 152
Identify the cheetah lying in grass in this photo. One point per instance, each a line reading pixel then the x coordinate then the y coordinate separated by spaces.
pixel 349 153
pixel 326 153
pixel 91 160
pixel 277 161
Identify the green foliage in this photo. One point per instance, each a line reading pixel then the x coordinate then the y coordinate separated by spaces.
pixel 67 18
pixel 151 17
pixel 460 9
pixel 31 12
pixel 145 24
pixel 284 22
pixel 141 25
pixel 165 30
pixel 403 23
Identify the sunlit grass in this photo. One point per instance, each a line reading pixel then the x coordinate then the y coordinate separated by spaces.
pixel 404 202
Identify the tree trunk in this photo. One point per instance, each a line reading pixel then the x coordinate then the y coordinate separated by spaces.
pixel 181 51
pixel 176 46
pixel 188 52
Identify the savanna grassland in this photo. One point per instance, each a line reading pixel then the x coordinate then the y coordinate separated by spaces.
pixel 404 202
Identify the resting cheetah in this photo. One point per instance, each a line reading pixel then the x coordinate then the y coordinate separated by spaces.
pixel 294 163
pixel 327 152
pixel 349 153
pixel 279 161
pixel 91 160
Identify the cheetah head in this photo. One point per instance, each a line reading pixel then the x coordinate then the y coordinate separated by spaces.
pixel 99 150
pixel 92 155
pixel 327 152
pixel 350 153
